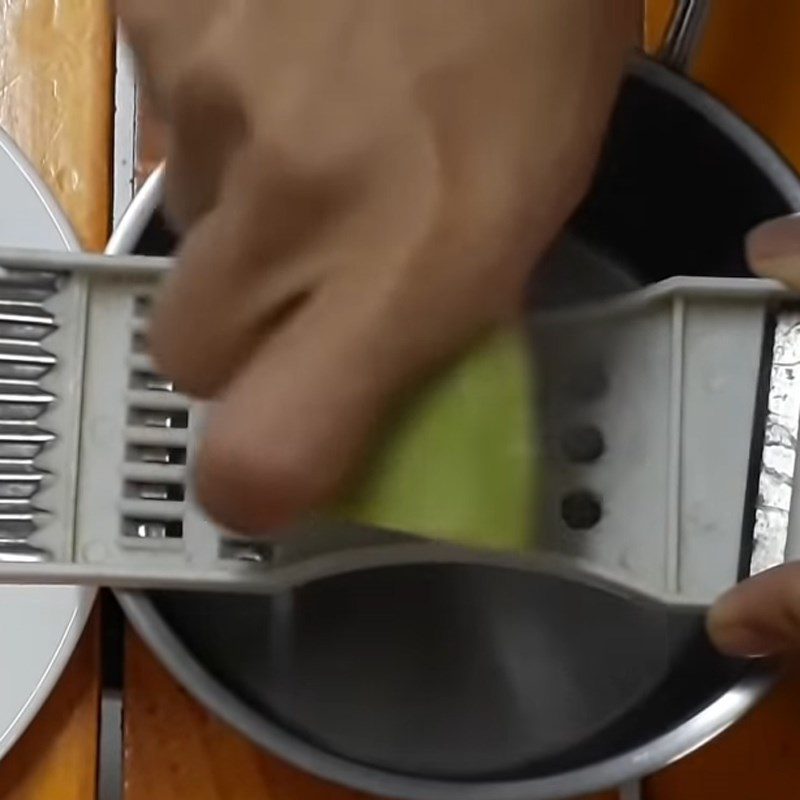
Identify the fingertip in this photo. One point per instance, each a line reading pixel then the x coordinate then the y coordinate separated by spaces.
pixel 773 249
pixel 759 617
pixel 737 639
pixel 259 486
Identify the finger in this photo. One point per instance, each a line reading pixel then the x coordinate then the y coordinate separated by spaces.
pixel 207 125
pixel 761 616
pixel 273 234
pixel 220 300
pixel 773 249
pixel 161 35
pixel 293 427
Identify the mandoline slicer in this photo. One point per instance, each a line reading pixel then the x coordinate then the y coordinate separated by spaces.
pixel 668 417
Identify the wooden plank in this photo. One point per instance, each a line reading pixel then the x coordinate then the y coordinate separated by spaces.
pixel 759 758
pixel 175 749
pixel 656 17
pixel 751 60
pixel 56 758
pixel 55 100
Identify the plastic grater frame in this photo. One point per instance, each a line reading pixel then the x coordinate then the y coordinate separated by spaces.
pixel 686 388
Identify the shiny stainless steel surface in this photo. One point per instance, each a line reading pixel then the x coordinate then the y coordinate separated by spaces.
pixel 25 361
pixel 779 449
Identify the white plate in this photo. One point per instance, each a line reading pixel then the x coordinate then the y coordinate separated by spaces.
pixel 39 626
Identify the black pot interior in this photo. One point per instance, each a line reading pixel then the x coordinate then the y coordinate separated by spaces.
pixel 474 673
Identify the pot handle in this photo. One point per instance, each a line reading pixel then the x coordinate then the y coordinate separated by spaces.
pixel 686 26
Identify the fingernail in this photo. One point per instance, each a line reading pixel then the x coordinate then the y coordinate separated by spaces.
pixel 748 642
pixel 773 249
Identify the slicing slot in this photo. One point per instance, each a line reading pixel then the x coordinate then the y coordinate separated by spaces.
pixel 150 381
pixel 139 342
pixel 133 528
pixel 142 306
pixel 153 454
pixel 155 490
pixel 158 418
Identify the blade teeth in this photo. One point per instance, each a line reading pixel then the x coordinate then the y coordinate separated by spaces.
pixel 32 314
pixel 23 400
pixel 24 395
pixel 24 294
pixel 22 306
pixel 26 450
pixel 22 473
pixel 26 288
pixel 25 351
pixel 19 525
pixel 19 505
pixel 24 330
pixel 25 322
pixel 28 279
pixel 13 551
pixel 24 431
pixel 9 466
pixel 21 412
pixel 31 372
pixel 19 489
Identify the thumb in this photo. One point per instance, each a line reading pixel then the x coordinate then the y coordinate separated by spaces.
pixel 760 617
pixel 773 249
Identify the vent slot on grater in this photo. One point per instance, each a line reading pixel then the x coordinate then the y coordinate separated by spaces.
pixel 154 484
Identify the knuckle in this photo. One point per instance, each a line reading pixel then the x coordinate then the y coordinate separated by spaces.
pixel 303 148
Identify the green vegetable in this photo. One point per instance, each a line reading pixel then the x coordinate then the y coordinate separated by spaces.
pixel 457 464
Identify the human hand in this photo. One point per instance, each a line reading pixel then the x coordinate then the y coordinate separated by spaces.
pixel 761 616
pixel 363 187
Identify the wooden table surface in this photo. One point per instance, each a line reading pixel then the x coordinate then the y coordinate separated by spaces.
pixel 55 98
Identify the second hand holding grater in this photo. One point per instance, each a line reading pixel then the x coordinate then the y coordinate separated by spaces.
pixel 666 435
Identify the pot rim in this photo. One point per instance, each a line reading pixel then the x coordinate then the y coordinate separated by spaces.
pixel 644 759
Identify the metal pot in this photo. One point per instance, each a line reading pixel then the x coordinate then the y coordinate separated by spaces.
pixel 466 681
